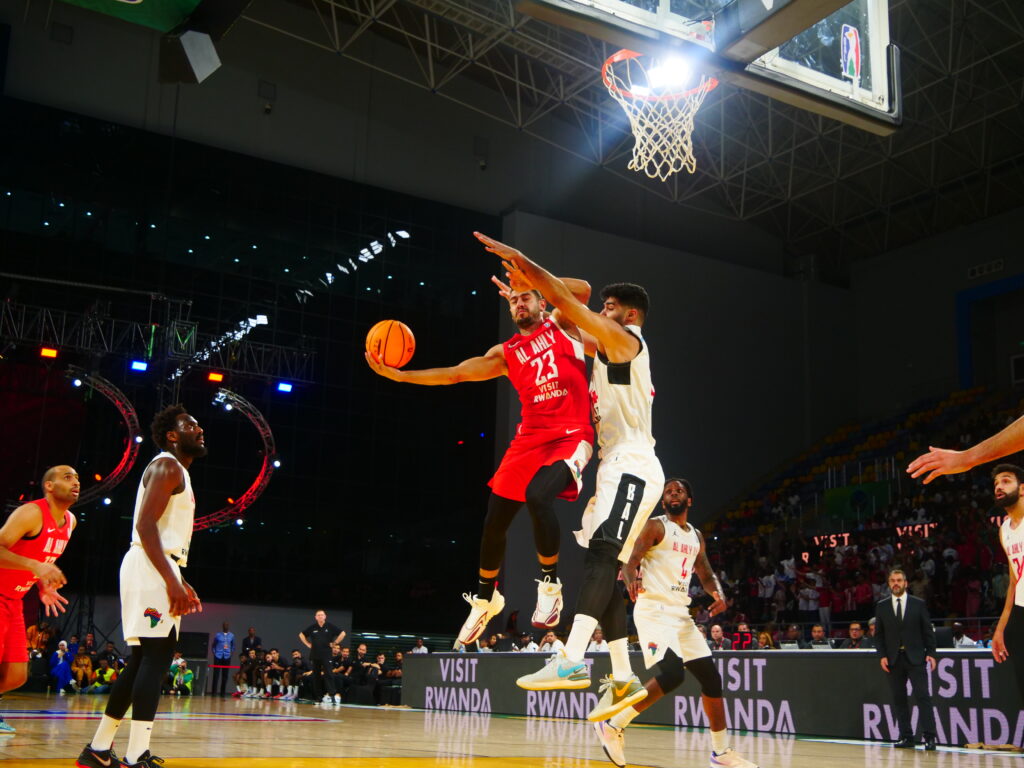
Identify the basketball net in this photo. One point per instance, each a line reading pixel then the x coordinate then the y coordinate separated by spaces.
pixel 661 119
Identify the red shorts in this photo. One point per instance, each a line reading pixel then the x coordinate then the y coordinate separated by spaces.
pixel 13 641
pixel 533 448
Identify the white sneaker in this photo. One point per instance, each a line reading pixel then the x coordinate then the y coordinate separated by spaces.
pixel 616 695
pixel 337 698
pixel 612 741
pixel 549 603
pixel 481 611
pixel 730 759
pixel 559 673
pixel 326 699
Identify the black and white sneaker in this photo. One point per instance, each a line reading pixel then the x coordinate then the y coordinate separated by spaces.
pixel 146 760
pixel 97 758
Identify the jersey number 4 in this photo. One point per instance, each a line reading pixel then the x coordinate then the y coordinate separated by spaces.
pixel 1018 563
pixel 545 361
pixel 685 573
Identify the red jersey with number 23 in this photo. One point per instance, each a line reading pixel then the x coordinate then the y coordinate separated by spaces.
pixel 549 371
pixel 46 548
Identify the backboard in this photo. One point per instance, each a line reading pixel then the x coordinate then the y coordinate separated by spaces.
pixel 832 57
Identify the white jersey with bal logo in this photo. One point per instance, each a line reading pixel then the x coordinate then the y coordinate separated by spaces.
pixel 175 524
pixel 667 567
pixel 622 397
pixel 1012 540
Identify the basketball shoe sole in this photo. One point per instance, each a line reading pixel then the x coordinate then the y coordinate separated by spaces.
pixel 480 613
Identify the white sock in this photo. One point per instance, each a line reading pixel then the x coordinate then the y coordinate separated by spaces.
pixel 239 688
pixel 719 741
pixel 105 733
pixel 624 718
pixel 583 627
pixel 619 652
pixel 138 740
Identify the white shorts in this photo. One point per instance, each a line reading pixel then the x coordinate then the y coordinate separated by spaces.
pixel 660 627
pixel 145 607
pixel 629 486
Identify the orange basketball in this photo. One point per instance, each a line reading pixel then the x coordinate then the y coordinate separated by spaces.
pixel 392 342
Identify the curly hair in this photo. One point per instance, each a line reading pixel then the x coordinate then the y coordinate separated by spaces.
pixel 630 295
pixel 164 422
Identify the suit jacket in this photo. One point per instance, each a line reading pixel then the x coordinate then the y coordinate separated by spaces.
pixel 915 633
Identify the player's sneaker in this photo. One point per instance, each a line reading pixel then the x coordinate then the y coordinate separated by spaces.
pixel 730 759
pixel 616 695
pixel 337 699
pixel 326 699
pixel 549 603
pixel 97 758
pixel 481 611
pixel 146 760
pixel 612 741
pixel 6 729
pixel 559 672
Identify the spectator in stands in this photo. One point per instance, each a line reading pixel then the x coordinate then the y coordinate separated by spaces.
pixel 793 638
pixel 718 641
pixel 419 647
pixel 825 605
pixel 113 656
pixel 483 645
pixel 60 669
pixel 183 678
pixel 526 644
pixel 73 646
pixel 597 642
pixel 960 639
pixel 764 641
pixel 551 643
pixel 89 646
pixel 81 670
pixel 393 671
pixel 856 640
pixel 818 637
pixel 167 686
pixel 863 595
pixel 38 636
pixel 102 678
pixel 871 629
pixel 251 642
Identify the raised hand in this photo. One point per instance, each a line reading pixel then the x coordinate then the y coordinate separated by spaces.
pixel 53 602
pixel 937 462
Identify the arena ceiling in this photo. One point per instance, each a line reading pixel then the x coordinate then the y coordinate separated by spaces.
pixel 830 192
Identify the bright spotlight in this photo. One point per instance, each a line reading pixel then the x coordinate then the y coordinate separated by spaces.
pixel 238 521
pixel 277 463
pixel 106 501
pixel 284 386
pixel 76 383
pixel 214 376
pixel 47 352
pixel 139 365
pixel 138 438
pixel 672 72
pixel 228 406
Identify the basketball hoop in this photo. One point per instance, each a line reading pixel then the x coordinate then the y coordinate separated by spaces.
pixel 661 118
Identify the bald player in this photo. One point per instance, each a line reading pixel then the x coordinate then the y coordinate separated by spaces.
pixel 31 540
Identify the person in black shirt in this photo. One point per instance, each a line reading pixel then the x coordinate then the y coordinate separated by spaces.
pixel 251 640
pixel 295 674
pixel 856 639
pixel 318 637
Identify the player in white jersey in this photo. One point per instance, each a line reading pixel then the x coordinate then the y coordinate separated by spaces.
pixel 154 596
pixel 629 476
pixel 1008 639
pixel 664 558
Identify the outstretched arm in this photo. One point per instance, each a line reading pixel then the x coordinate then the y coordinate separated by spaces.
pixel 618 344
pixel 940 461
pixel 650 536
pixel 708 579
pixel 488 366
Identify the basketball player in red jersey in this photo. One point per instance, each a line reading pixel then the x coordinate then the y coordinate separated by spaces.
pixel 545 362
pixel 31 540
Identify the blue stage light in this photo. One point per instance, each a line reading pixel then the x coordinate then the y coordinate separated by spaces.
pixel 284 386
pixel 139 365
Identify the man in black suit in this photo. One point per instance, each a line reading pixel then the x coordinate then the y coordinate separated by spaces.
pixel 905 641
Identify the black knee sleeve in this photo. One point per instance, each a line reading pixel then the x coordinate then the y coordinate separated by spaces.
pixel 500 513
pixel 671 672
pixel 541 493
pixel 613 620
pixel 138 685
pixel 707 675
pixel 600 568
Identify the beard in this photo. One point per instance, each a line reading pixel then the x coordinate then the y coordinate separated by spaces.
pixel 1008 500
pixel 676 508
pixel 527 321
pixel 194 450
pixel 898 591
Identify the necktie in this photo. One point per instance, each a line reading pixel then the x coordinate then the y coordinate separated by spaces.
pixel 899 609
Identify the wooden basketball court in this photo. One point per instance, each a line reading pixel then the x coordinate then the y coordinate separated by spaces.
pixel 223 733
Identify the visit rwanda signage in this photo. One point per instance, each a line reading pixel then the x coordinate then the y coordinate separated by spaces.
pixel 840 694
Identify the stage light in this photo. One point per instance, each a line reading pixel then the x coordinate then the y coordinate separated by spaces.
pixel 277 463
pixel 230 500
pixel 672 72
pixel 76 383
pixel 284 386
pixel 238 522
pixel 97 477
pixel 214 376
pixel 228 407
pixel 139 365
pixel 106 501
pixel 47 352
pixel 138 438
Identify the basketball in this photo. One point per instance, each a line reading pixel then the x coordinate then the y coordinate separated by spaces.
pixel 392 342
